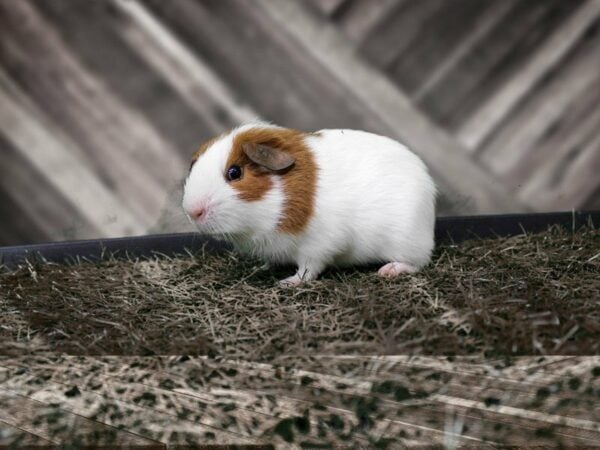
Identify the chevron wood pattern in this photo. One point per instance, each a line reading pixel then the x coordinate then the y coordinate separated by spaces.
pixel 103 102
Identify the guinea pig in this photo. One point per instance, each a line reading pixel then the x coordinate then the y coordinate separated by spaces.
pixel 332 197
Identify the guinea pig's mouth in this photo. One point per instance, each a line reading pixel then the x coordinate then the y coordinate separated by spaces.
pixel 204 223
pixel 205 227
pixel 207 223
pixel 215 220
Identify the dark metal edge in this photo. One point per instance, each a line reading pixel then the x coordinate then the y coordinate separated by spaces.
pixel 455 229
pixel 458 229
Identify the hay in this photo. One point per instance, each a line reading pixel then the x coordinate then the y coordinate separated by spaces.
pixel 524 295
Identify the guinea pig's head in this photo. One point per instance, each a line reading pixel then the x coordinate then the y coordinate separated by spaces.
pixel 245 182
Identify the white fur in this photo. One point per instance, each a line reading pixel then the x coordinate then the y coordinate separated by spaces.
pixel 374 203
pixel 228 214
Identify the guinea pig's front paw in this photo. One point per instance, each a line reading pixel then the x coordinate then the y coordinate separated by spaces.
pixel 292 281
pixel 265 266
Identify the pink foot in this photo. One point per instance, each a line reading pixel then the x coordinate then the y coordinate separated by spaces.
pixel 293 281
pixel 394 269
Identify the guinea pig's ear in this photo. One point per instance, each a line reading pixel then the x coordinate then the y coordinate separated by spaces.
pixel 269 157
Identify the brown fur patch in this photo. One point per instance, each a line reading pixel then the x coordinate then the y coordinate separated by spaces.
pixel 299 182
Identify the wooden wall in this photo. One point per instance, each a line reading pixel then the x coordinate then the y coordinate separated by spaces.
pixel 103 102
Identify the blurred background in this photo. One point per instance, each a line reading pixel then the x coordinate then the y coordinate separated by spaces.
pixel 102 103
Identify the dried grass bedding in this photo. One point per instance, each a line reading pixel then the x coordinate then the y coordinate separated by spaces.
pixel 259 364
pixel 524 295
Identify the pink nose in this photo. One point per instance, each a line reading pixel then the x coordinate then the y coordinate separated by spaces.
pixel 199 214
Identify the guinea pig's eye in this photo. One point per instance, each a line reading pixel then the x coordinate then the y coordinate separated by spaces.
pixel 234 173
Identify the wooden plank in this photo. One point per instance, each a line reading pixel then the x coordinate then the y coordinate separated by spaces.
pixel 328 7
pixel 232 416
pixel 546 366
pixel 574 125
pixel 253 398
pixel 493 60
pixel 58 426
pixel 127 153
pixel 567 182
pixel 266 389
pixel 476 413
pixel 361 16
pixel 20 229
pixel 475 365
pixel 184 422
pixel 448 161
pixel 549 368
pixel 592 202
pixel 573 431
pixel 192 77
pixel 198 402
pixel 265 407
pixel 439 35
pixel 42 148
pixel 516 386
pixel 202 407
pixel 543 109
pixel 396 31
pixel 143 74
pixel 13 437
pixel 494 111
pixel 514 389
pixel 113 407
pixel 492 15
pixel 37 211
pixel 476 423
pixel 261 62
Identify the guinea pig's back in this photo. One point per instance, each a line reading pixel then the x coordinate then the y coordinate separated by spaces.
pixel 358 162
pixel 374 188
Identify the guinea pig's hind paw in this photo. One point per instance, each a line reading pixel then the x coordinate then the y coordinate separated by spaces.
pixel 292 281
pixel 395 268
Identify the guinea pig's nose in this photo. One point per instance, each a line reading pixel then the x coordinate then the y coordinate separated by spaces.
pixel 199 214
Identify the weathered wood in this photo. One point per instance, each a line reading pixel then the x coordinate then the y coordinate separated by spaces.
pixel 544 109
pixel 38 212
pixel 278 400
pixel 329 7
pixel 183 423
pixel 193 78
pixel 439 35
pixel 195 408
pixel 487 118
pixel 445 157
pixel 134 87
pixel 59 426
pixel 570 180
pixel 141 75
pixel 261 62
pixel 123 149
pixel 515 386
pixel 13 437
pixel 362 16
pixel 493 61
pixel 523 420
pixel 42 147
pixel 20 229
pixel 592 201
pixel 489 19
pixel 575 124
pixel 396 31
pixel 153 397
